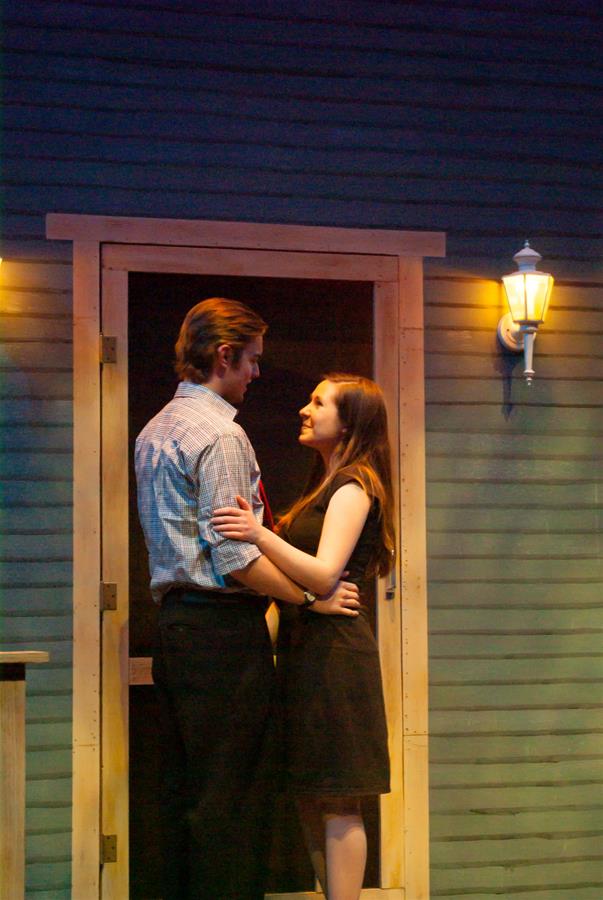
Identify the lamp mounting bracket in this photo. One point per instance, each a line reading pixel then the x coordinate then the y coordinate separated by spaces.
pixel 510 334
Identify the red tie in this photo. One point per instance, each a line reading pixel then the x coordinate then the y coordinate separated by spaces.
pixel 268 517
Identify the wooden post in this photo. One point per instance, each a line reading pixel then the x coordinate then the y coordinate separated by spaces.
pixel 12 770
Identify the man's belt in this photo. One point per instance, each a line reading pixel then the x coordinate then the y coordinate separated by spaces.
pixel 202 597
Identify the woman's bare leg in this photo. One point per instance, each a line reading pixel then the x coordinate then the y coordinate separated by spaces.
pixel 336 841
pixel 313 825
pixel 345 849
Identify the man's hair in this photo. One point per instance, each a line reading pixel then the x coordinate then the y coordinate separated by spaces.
pixel 206 326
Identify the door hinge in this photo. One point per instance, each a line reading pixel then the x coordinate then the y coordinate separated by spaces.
pixel 108 596
pixel 108 849
pixel 108 349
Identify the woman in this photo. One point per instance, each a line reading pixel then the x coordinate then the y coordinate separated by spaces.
pixel 335 731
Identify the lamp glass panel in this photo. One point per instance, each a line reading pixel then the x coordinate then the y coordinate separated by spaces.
pixel 528 295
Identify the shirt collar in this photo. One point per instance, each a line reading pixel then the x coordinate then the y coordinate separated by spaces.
pixel 201 392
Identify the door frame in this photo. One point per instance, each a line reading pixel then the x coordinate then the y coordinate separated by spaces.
pixel 105 249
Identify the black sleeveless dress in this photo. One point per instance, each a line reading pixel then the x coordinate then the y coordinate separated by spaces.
pixel 335 732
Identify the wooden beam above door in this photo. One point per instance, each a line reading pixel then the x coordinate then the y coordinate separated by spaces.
pixel 257 263
pixel 208 233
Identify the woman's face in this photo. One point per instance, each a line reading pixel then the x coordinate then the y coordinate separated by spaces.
pixel 321 427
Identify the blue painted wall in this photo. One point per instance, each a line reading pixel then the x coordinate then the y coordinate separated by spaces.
pixel 481 120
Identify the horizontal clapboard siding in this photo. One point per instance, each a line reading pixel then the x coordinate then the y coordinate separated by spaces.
pixel 35 545
pixel 476 119
pixel 419 115
pixel 516 610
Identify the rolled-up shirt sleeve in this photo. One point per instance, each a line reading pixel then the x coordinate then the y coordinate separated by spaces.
pixel 227 467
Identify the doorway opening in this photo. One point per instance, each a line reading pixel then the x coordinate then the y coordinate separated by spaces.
pixel 315 326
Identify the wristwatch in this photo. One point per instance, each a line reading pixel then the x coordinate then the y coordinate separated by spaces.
pixel 309 599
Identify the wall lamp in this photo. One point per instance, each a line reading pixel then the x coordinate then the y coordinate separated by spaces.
pixel 528 294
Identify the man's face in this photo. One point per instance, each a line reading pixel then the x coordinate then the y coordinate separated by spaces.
pixel 238 376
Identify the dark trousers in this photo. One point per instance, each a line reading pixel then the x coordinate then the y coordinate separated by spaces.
pixel 214 675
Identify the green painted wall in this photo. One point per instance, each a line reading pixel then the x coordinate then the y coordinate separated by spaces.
pixel 35 548
pixel 515 508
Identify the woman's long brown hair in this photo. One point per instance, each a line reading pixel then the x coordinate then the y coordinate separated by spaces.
pixel 363 454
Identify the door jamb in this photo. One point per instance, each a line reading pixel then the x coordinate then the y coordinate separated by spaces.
pixel 406 250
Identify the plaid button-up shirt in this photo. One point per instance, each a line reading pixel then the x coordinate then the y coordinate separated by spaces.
pixel 191 458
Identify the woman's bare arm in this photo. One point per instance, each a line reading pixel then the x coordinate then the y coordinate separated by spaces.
pixel 343 523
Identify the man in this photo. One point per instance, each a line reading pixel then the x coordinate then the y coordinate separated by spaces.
pixel 213 666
